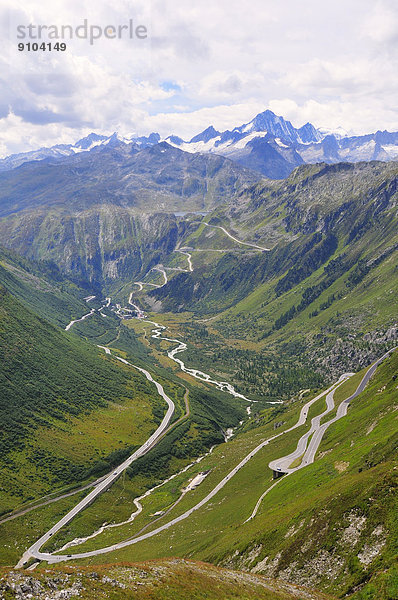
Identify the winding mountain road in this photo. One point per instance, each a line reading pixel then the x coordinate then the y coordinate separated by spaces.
pixel 189 259
pixel 54 558
pixel 105 304
pixel 317 430
pixel 34 550
pixel 236 239
pixel 163 272
pixel 283 464
pixel 81 319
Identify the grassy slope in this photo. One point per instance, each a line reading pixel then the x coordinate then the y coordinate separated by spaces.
pixel 78 428
pixel 332 265
pixel 316 526
pixel 42 288
pixel 63 404
pixel 358 472
pixel 157 580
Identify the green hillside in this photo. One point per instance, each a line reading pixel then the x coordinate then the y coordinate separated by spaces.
pixel 299 287
pixel 324 295
pixel 52 386
pixel 331 525
pixel 64 405
pixel 41 287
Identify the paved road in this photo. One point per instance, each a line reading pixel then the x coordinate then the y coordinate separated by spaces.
pixel 155 285
pixel 140 313
pixel 105 304
pixel 236 239
pixel 81 319
pixel 189 258
pixel 137 501
pixel 317 430
pixel 283 463
pixel 54 558
pixel 24 511
pixel 161 270
pixel 313 446
pixel 34 550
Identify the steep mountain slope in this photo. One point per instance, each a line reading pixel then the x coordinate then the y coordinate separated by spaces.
pixel 338 531
pixel 54 385
pixel 328 280
pixel 330 525
pixel 268 156
pixel 101 244
pixel 280 289
pixel 159 177
pixel 41 287
pixel 102 215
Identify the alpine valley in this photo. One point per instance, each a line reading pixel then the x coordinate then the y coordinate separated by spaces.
pixel 199 366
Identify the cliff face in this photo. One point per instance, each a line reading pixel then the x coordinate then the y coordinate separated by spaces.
pixel 98 245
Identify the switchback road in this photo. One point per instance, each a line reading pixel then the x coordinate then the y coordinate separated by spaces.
pixel 54 558
pixel 34 550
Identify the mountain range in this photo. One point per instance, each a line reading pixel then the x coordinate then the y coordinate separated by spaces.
pixel 268 144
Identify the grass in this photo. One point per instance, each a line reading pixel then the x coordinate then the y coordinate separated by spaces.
pixel 296 462
pixel 63 405
pixel 305 514
pixel 17 535
pixel 354 310
pixel 319 495
pixel 223 458
pixel 41 288
pixel 158 580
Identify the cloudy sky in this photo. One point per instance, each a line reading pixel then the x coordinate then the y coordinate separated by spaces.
pixel 333 63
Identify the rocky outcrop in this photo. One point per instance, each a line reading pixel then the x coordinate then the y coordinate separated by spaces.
pixel 336 352
pixel 98 245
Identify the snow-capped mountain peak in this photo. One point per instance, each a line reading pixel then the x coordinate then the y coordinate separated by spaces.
pixel 205 136
pixel 268 144
pixel 91 140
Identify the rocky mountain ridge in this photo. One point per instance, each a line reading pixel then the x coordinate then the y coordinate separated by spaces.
pixel 268 144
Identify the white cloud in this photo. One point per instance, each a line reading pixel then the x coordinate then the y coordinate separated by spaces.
pixel 204 62
pixel 357 76
pixel 381 25
pixel 367 118
pixel 224 85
